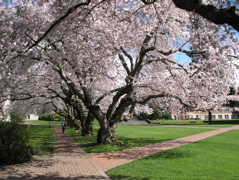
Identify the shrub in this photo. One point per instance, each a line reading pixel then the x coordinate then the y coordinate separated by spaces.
pixel 14 146
pixel 15 117
pixel 125 118
pixel 143 116
pixel 51 117
pixel 152 117
pixel 158 114
pixel 167 116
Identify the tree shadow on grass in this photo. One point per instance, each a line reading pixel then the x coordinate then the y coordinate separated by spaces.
pixel 89 143
pixel 42 144
pixel 170 154
pixel 146 151
pixel 128 143
pixel 134 142
pixel 121 177
pixel 125 143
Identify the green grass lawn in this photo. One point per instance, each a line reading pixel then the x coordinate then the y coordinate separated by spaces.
pixel 42 139
pixel 41 122
pixel 215 158
pixel 133 136
pixel 164 121
pixel 203 125
pixel 192 123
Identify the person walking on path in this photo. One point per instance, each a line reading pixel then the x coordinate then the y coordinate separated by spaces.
pixel 63 126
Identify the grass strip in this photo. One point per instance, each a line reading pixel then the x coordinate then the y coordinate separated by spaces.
pixel 42 139
pixel 213 158
pixel 133 136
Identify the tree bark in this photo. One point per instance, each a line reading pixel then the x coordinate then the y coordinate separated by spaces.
pixel 209 117
pixel 107 135
pixel 216 15
pixel 89 124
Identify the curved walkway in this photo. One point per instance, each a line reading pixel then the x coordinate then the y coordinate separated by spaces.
pixel 68 163
pixel 114 159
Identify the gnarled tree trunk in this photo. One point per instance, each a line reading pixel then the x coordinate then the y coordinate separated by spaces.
pixel 89 124
pixel 209 117
pixel 107 135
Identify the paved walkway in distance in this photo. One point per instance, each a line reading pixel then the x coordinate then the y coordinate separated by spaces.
pixel 114 159
pixel 68 163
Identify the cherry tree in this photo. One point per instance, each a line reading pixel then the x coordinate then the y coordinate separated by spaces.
pixel 114 55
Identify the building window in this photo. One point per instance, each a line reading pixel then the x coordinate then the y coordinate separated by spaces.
pixel 219 116
pixel 226 116
pixel 213 117
pixel 28 116
pixel 235 116
pixel 206 117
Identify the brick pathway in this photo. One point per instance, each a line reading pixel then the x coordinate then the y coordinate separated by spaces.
pixel 68 163
pixel 114 159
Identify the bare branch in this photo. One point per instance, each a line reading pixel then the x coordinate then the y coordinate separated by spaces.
pixel 106 94
pixel 122 60
pixel 144 101
pixel 228 15
pixel 231 56
pixel 129 57
pixel 183 51
pixel 58 21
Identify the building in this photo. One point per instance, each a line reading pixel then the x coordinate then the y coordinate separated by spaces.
pixel 4 114
pixel 32 117
pixel 202 115
pixel 230 110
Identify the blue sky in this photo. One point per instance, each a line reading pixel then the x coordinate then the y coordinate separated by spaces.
pixel 182 58
pixel 7 2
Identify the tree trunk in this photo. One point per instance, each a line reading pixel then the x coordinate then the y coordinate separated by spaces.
pixel 77 125
pixel 89 124
pixel 83 126
pixel 107 135
pixel 209 117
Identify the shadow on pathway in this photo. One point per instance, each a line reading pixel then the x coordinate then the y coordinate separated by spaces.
pixel 68 163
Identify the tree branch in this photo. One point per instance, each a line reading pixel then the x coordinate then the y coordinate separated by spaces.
pixel 228 15
pixel 129 57
pixel 181 50
pixel 144 101
pixel 58 21
pixel 106 94
pixel 124 64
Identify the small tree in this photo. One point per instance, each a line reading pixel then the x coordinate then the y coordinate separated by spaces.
pixel 14 146
pixel 158 114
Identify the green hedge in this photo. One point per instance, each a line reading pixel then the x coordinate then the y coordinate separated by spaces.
pixel 155 115
pixel 51 117
pixel 14 146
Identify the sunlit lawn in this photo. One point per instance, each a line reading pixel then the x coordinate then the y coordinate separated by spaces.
pixel 42 139
pixel 133 136
pixel 192 123
pixel 215 158
pixel 203 125
pixel 42 122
